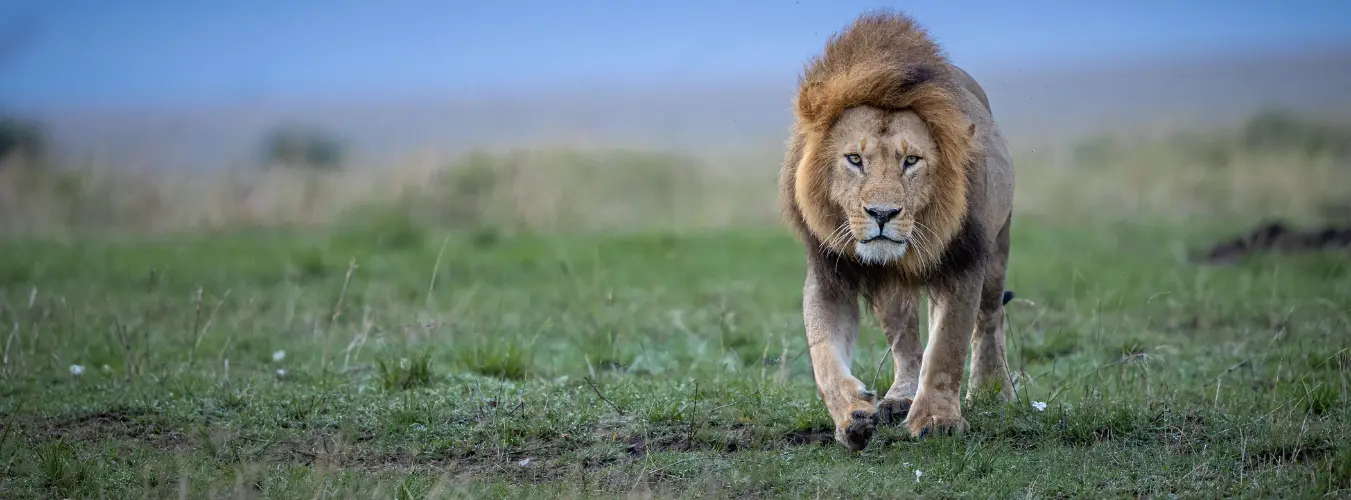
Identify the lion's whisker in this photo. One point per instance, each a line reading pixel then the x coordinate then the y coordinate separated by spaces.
pixel 924 239
pixel 838 234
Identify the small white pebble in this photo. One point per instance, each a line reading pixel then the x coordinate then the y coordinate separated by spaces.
pixel 918 473
pixel 524 462
pixel 281 372
pixel 279 355
pixel 76 370
pixel 1039 405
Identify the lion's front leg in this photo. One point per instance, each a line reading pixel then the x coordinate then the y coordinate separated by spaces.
pixel 897 308
pixel 831 317
pixel 952 317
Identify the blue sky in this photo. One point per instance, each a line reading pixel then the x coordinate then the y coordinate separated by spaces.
pixel 165 53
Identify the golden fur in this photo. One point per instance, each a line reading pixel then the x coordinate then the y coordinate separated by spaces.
pixel 897 179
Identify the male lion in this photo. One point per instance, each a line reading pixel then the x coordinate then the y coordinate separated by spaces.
pixel 898 180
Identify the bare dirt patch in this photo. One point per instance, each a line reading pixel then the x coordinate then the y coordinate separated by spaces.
pixel 133 424
pixel 1278 236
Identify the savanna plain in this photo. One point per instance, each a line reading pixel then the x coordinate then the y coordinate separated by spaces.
pixel 602 323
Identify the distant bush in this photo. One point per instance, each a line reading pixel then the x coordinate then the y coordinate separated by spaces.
pixel 559 188
pixel 572 188
pixel 1267 132
pixel 1277 130
pixel 467 185
pixel 1097 151
pixel 303 147
pixel 1276 163
pixel 24 139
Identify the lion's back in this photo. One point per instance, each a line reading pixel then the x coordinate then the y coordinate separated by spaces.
pixel 995 160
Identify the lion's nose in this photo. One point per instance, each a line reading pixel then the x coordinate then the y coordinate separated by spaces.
pixel 882 214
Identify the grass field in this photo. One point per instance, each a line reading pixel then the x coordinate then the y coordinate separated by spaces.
pixel 406 360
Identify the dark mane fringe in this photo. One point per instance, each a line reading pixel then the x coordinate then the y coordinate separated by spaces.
pixel 967 249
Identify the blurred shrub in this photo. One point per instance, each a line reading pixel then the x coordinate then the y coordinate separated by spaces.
pixel 1267 132
pixel 23 140
pixel 466 186
pixel 551 189
pixel 389 228
pixel 1274 163
pixel 303 147
pixel 1096 152
pixel 1282 131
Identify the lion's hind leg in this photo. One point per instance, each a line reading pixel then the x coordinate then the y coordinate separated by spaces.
pixel 989 361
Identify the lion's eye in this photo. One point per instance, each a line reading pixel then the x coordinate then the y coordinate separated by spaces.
pixel 854 159
pixel 910 161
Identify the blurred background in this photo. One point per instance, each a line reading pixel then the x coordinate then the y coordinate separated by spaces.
pixel 160 116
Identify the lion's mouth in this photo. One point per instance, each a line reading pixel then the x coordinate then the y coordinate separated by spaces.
pixel 884 238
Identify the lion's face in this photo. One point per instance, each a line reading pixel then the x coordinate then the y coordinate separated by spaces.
pixel 880 181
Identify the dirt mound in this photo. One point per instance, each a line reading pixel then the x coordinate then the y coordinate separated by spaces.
pixel 1277 236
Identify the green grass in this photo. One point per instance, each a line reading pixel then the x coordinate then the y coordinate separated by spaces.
pixel 673 365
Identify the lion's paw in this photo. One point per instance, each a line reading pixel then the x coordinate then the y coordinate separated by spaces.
pixel 893 411
pixel 934 419
pixel 855 431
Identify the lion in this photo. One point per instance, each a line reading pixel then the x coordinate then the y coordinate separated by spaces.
pixel 897 181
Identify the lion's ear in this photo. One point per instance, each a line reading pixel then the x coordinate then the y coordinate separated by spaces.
pixel 808 105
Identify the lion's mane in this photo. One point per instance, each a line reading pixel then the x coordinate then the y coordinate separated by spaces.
pixel 887 61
